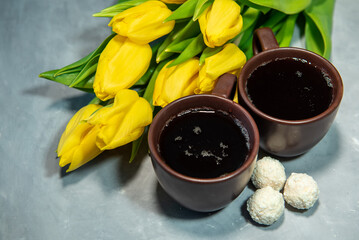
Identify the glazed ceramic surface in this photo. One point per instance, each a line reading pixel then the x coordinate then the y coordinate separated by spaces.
pixel 204 195
pixel 288 138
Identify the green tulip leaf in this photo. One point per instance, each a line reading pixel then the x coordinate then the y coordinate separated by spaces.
pixel 65 79
pixel 186 10
pixel 273 18
pixel 72 70
pixel 196 46
pixel 200 7
pixel 285 33
pixel 178 30
pixel 191 29
pixel 49 75
pixel 137 144
pixel 86 71
pixel 249 3
pixel 88 90
pixel 318 27
pixel 86 84
pixel 278 26
pixel 250 17
pixel 79 74
pixel 95 100
pixel 74 67
pixel 118 8
pixel 286 6
pixel 245 41
pixel 139 89
pixel 178 47
pixel 122 1
pixel 82 62
pixel 185 31
pixel 207 52
pixel 161 54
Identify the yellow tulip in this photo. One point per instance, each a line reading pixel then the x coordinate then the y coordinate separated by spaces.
pixel 220 22
pixel 229 60
pixel 122 122
pixel 143 23
pixel 175 82
pixel 122 63
pixel 77 145
pixel 174 1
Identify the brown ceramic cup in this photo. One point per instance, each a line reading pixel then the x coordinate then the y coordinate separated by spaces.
pixel 288 138
pixel 204 194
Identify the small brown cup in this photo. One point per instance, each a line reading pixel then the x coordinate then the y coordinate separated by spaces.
pixel 209 194
pixel 287 138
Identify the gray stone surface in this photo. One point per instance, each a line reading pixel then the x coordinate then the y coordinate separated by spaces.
pixel 112 199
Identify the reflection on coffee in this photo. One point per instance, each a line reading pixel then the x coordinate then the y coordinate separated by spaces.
pixel 204 143
pixel 290 89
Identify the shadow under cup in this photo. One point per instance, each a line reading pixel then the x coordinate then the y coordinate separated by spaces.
pixel 280 137
pixel 203 194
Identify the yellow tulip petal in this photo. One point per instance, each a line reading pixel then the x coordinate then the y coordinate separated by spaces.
pixel 229 60
pixel 123 100
pixel 81 115
pixel 123 121
pixel 175 82
pixel 73 139
pixel 143 23
pixel 160 84
pixel 189 90
pixel 203 20
pixel 81 147
pixel 121 64
pixel 87 151
pixel 220 22
pixel 131 127
pixel 78 137
pixel 69 136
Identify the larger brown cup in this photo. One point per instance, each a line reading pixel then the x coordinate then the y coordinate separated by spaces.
pixel 204 194
pixel 288 138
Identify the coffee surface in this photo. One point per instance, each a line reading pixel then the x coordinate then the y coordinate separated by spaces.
pixel 204 143
pixel 290 89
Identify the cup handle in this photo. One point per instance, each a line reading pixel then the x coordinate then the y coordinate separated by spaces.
pixel 225 86
pixel 263 40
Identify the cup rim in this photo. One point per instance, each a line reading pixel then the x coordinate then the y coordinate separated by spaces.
pixel 156 156
pixel 332 107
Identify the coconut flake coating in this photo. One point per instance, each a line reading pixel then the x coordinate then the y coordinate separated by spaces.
pixel 265 206
pixel 301 191
pixel 268 172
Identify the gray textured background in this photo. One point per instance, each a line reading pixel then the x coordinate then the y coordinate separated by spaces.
pixel 111 199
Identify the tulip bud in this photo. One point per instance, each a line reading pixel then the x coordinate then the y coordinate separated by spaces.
pixel 77 145
pixel 122 63
pixel 220 22
pixel 175 82
pixel 229 60
pixel 122 122
pixel 143 23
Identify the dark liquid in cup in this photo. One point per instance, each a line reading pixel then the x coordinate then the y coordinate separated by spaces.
pixel 204 143
pixel 290 89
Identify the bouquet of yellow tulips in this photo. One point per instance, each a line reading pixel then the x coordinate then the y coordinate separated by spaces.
pixel 163 50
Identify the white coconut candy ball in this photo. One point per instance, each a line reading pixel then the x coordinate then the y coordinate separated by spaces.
pixel 268 172
pixel 265 206
pixel 301 191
